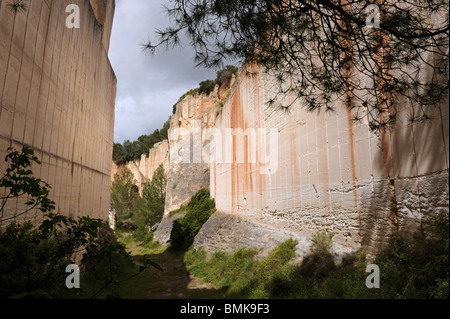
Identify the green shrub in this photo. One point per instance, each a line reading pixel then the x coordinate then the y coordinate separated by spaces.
pixel 417 267
pixel 224 76
pixel 33 258
pixel 240 274
pixel 198 211
pixel 206 87
pixel 280 256
pixel 19 183
pixel 180 210
pixel 124 193
pixel 135 213
pixel 148 208
pixel 321 242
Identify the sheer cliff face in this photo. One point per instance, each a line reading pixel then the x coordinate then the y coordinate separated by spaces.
pixel 189 152
pixel 302 172
pixel 277 175
pixel 189 169
pixel 57 95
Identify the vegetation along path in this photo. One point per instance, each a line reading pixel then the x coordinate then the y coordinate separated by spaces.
pixel 175 282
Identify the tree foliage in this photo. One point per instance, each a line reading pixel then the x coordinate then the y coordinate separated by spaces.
pixel 322 52
pixel 206 87
pixel 130 151
pixel 124 193
pixel 198 211
pixel 149 208
pixel 223 79
pixel 224 76
pixel 33 261
pixel 20 183
pixel 135 211
pixel 33 258
pixel 18 5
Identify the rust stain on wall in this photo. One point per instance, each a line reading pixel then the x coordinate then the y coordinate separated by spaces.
pixel 293 133
pixel 260 188
pixel 371 188
pixel 236 122
pixel 349 73
pixel 352 155
pixel 389 111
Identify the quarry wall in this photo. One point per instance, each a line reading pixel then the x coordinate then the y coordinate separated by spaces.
pixel 279 174
pixel 188 170
pixel 57 95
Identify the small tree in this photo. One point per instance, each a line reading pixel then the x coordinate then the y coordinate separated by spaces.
pixel 124 192
pixel 119 154
pixel 224 76
pixel 20 182
pixel 150 207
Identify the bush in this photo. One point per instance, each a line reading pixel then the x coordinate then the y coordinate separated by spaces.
pixel 281 255
pixel 317 266
pixel 20 183
pixel 240 275
pixel 417 267
pixel 198 211
pixel 33 258
pixel 33 261
pixel 412 268
pixel 124 193
pixel 321 242
pixel 224 76
pixel 135 213
pixel 148 209
pixel 206 87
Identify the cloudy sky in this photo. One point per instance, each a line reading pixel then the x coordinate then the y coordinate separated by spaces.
pixel 148 86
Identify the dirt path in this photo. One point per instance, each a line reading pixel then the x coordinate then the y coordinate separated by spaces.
pixel 174 283
pixel 170 284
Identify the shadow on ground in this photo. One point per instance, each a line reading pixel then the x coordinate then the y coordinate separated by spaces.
pixel 174 283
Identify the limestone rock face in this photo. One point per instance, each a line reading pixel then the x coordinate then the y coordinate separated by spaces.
pixel 189 169
pixel 305 172
pixel 228 233
pixel 277 175
pixel 162 233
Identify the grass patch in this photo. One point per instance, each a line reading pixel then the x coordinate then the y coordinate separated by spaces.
pixel 410 268
pixel 414 267
pixel 136 247
pixel 240 274
pixel 180 210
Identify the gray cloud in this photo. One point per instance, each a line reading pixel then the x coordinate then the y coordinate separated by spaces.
pixel 148 86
